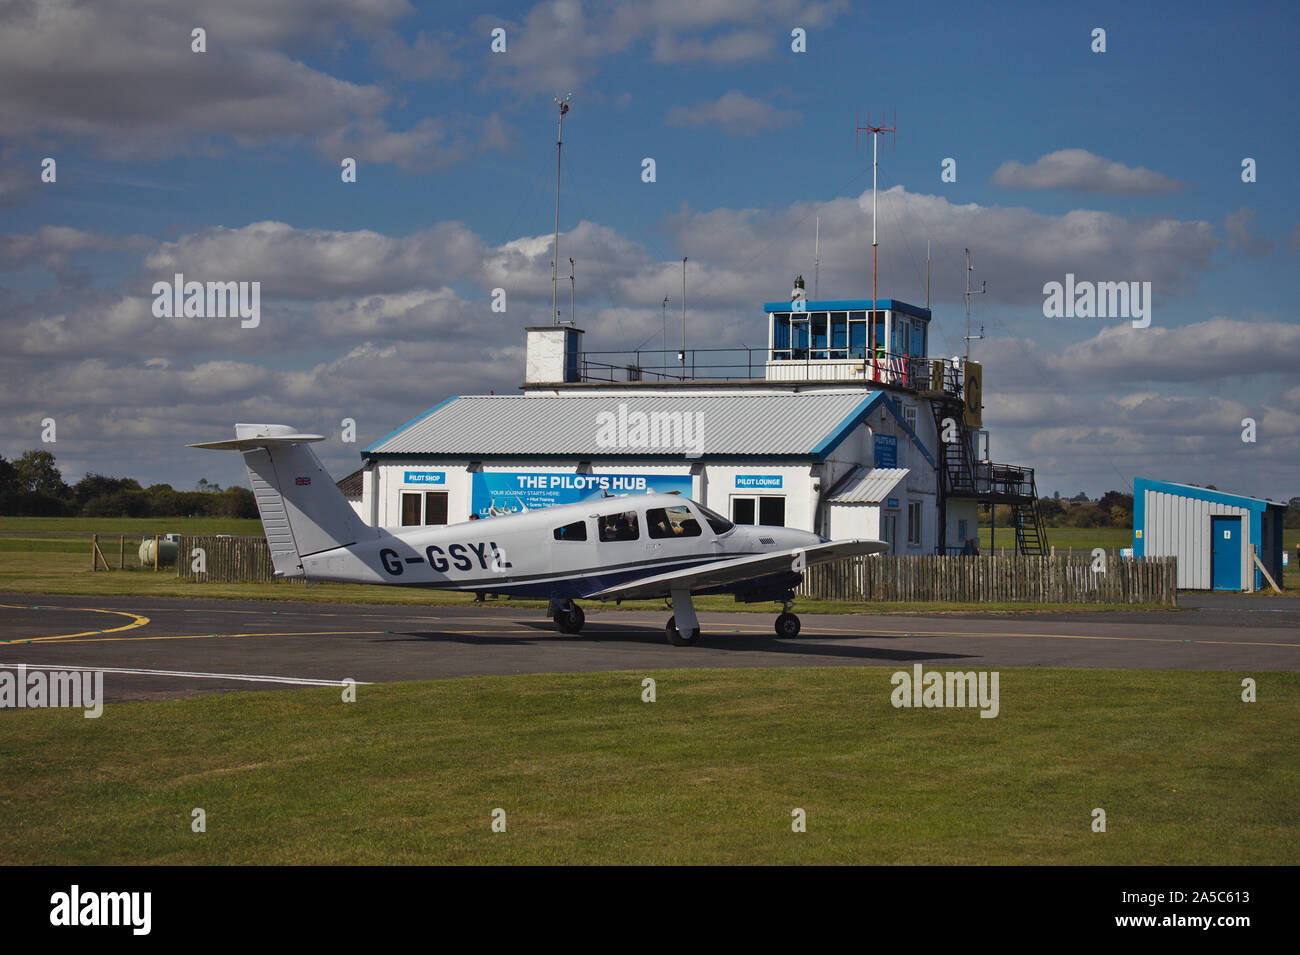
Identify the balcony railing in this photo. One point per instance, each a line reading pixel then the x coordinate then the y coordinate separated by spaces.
pixel 750 364
pixel 697 364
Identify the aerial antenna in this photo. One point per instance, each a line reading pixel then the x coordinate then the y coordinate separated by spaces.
pixel 555 255
pixel 875 132
pixel 817 256
pixel 927 275
pixel 666 330
pixel 571 268
pixel 984 287
pixel 682 356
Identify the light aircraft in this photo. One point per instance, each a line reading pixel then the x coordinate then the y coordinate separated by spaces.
pixel 628 547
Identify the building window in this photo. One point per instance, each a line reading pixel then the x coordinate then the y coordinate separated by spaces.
pixel 914 522
pixel 889 531
pixel 671 522
pixel 768 509
pixel 577 531
pixel 909 415
pixel 622 526
pixel 410 510
pixel 435 507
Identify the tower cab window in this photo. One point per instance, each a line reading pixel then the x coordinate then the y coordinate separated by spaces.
pixel 622 526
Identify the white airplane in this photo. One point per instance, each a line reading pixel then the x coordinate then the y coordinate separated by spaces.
pixel 628 547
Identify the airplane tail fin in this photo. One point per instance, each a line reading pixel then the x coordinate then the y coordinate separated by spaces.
pixel 302 510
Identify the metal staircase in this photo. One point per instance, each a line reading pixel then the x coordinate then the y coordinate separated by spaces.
pixel 1031 532
pixel 962 476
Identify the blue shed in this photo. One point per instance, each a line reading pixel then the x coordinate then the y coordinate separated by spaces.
pixel 1211 533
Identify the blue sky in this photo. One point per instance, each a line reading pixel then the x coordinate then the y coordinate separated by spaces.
pixel 375 292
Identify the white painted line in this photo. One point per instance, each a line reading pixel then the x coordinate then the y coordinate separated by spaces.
pixel 189 674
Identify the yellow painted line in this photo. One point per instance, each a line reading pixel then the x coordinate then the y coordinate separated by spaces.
pixel 137 621
pixel 304 633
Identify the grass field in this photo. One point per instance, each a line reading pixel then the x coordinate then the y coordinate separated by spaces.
pixel 35 565
pixel 587 773
pixel 131 526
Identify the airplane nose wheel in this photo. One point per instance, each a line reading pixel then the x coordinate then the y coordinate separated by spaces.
pixel 679 639
pixel 787 625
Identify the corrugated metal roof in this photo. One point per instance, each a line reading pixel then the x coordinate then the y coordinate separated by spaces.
pixel 549 425
pixel 864 485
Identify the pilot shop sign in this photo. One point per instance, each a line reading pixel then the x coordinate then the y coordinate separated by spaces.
pixel 514 491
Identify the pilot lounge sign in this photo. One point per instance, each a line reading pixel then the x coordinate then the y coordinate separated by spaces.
pixel 493 493
pixel 765 482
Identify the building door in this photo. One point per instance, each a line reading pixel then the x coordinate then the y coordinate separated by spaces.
pixel 1225 553
pixel 889 532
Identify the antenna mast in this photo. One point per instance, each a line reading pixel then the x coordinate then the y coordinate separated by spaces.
pixel 984 287
pixel 555 254
pixel 875 131
pixel 817 256
pixel 927 275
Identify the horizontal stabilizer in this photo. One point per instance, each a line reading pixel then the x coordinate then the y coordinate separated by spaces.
pixel 261 441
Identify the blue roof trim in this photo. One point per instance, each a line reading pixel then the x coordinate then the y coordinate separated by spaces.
pixel 419 417
pixel 845 427
pixel 566 458
pixel 851 304
pixel 1142 485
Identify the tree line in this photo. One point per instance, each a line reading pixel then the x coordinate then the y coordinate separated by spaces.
pixel 31 486
pixel 1112 509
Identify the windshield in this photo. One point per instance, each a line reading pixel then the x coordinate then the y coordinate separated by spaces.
pixel 719 523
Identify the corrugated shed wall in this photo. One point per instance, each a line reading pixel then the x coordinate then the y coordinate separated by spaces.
pixel 1180 526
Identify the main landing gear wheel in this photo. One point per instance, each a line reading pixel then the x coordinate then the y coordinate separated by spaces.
pixel 787 625
pixel 679 639
pixel 571 620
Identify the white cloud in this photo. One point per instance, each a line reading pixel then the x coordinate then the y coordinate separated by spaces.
pixel 734 113
pixel 1083 171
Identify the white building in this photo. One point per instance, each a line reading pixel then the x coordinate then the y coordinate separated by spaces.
pixel 810 433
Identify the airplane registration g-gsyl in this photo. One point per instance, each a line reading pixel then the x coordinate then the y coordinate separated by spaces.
pixel 642 546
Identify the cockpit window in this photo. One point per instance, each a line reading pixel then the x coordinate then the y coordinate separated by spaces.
pixel 577 531
pixel 719 523
pixel 622 526
pixel 671 522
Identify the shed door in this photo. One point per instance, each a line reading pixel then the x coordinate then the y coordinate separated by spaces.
pixel 1225 553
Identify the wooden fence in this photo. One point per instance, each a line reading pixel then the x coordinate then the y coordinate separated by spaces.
pixel 228 559
pixel 1061 578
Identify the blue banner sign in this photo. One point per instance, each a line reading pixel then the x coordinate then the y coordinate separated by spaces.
pixel 758 480
pixel 886 451
pixel 425 477
pixel 493 494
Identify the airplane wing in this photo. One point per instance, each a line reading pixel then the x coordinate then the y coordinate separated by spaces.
pixel 731 570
